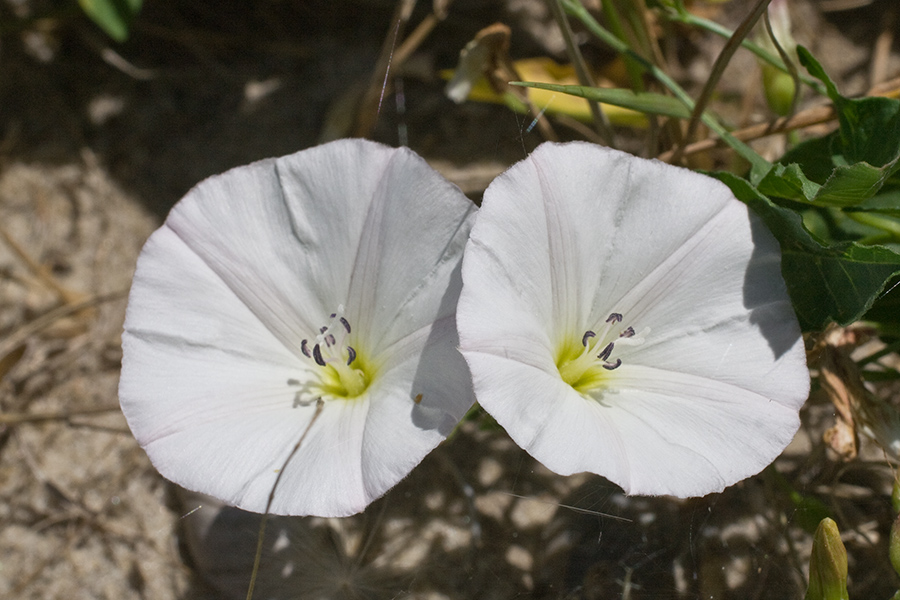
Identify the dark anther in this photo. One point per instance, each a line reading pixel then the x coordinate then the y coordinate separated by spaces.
pixel 627 333
pixel 329 340
pixel 587 335
pixel 317 355
pixel 346 324
pixel 614 318
pixel 333 315
pixel 611 366
pixel 323 329
pixel 606 352
pixel 351 354
pixel 304 348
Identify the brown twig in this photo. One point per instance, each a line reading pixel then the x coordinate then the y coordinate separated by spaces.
pixel 881 52
pixel 28 329
pixel 805 118
pixel 63 415
pixel 39 271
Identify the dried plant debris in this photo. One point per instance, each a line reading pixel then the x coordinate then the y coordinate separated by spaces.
pixel 83 514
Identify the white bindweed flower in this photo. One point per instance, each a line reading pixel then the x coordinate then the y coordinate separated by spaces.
pixel 325 280
pixel 628 318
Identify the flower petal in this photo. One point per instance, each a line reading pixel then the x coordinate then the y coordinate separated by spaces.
pixel 577 232
pixel 252 262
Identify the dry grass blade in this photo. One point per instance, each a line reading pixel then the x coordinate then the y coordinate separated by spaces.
pixel 718 68
pixel 28 329
pixel 39 417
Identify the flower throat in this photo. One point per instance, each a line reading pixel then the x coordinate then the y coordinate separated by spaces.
pixel 586 368
pixel 338 368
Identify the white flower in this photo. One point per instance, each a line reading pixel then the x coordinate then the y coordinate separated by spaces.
pixel 628 318
pixel 332 273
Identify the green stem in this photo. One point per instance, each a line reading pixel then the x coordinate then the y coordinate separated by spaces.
pixel 601 123
pixel 718 69
pixel 759 165
pixel 633 67
pixel 681 15
pixel 886 224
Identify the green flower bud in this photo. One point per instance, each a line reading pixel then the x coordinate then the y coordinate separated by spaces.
pixel 779 88
pixel 894 547
pixel 827 564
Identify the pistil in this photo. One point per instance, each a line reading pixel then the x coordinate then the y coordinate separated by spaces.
pixel 332 353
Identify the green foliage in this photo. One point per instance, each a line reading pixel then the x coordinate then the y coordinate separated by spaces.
pixel 894 545
pixel 828 201
pixel 849 167
pixel 826 281
pixel 113 16
pixel 646 102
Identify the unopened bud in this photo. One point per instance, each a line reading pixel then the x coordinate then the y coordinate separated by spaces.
pixel 779 86
pixel 780 89
pixel 894 548
pixel 827 564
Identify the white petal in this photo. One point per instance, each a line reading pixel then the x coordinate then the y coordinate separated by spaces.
pixel 576 232
pixel 252 262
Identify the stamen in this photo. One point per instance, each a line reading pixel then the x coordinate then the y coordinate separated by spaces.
pixel 606 352
pixel 304 348
pixel 351 354
pixel 329 340
pixel 317 356
pixel 323 328
pixel 346 324
pixel 581 369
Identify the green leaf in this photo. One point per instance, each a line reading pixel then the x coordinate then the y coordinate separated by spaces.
pixel 847 168
pixel 645 102
pixel 816 156
pixel 887 202
pixel 657 104
pixel 870 127
pixel 826 282
pixel 113 16
pixel 848 185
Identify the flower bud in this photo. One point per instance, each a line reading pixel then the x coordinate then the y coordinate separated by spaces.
pixel 827 564
pixel 779 86
pixel 894 546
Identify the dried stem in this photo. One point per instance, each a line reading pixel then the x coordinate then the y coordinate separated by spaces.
pixel 731 46
pixel 584 76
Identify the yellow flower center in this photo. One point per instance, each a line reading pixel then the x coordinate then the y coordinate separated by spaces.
pixel 339 371
pixel 585 364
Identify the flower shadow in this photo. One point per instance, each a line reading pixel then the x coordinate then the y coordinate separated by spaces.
pixel 764 292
